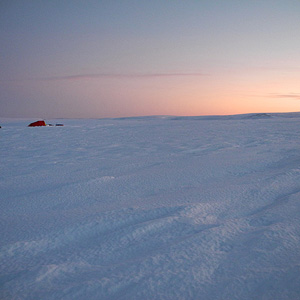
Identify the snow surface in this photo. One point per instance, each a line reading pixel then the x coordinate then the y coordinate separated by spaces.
pixel 151 208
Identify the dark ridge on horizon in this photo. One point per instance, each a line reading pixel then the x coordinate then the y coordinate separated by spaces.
pixel 248 116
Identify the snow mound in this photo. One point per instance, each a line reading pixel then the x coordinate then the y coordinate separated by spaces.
pixel 259 116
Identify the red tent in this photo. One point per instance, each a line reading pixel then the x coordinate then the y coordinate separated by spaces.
pixel 37 123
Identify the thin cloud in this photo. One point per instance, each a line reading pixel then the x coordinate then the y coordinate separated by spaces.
pixel 295 96
pixel 115 75
pixel 278 68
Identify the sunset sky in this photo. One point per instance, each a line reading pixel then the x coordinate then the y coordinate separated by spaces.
pixel 117 58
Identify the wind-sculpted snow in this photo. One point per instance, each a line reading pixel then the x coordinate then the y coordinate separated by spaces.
pixel 151 208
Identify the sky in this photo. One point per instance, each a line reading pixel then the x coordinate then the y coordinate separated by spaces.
pixel 96 59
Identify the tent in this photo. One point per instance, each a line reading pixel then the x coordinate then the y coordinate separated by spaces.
pixel 37 123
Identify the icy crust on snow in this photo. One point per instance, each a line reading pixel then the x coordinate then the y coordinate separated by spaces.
pixel 151 208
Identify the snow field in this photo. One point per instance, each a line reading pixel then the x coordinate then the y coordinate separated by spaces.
pixel 151 208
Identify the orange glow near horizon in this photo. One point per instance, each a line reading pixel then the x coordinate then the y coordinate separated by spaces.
pixel 183 96
pixel 186 96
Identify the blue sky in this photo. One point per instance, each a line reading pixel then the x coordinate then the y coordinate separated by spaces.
pixel 124 58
